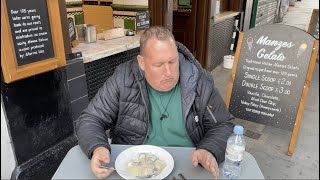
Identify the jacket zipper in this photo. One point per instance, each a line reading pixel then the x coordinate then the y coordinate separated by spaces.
pixel 185 124
pixel 215 120
pixel 145 138
pixel 196 119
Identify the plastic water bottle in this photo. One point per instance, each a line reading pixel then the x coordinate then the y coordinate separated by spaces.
pixel 234 154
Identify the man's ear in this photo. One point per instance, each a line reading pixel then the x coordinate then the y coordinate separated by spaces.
pixel 141 62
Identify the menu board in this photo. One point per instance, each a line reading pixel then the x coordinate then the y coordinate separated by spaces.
pixel 270 75
pixel 314 24
pixel 142 20
pixel 30 29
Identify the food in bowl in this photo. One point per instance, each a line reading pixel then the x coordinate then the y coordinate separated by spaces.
pixel 145 165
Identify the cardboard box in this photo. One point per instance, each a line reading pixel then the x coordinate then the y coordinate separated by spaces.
pixel 111 34
pixel 131 2
pixel 101 16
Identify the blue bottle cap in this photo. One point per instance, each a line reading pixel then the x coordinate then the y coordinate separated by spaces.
pixel 238 129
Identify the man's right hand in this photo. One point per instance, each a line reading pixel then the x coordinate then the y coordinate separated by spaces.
pixel 100 157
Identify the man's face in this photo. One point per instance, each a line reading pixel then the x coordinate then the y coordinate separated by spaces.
pixel 160 63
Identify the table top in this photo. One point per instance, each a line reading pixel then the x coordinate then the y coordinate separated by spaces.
pixel 76 165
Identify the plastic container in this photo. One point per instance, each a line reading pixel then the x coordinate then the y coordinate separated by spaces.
pixel 80 32
pixel 217 7
pixel 86 33
pixel 234 154
pixel 228 61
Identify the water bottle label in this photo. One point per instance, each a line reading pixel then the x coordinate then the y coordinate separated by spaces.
pixel 235 153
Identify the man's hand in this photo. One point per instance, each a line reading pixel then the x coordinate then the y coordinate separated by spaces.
pixel 207 160
pixel 100 157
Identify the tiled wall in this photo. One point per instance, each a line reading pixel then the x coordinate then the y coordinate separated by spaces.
pixel 40 113
pixel 39 122
pixel 77 85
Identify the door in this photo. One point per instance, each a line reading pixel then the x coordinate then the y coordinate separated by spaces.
pixel 190 24
pixel 184 24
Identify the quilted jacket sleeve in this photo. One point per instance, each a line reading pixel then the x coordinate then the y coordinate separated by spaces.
pixel 98 117
pixel 216 119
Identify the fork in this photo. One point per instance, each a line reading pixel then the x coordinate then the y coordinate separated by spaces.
pixel 112 168
pixel 140 177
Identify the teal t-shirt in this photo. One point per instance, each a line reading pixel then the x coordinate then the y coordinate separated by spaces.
pixel 171 130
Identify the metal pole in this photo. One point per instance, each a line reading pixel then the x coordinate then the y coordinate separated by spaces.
pixel 235 28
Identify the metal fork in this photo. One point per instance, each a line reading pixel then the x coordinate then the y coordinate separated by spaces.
pixel 140 177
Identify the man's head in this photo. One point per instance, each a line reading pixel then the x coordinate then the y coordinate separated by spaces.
pixel 159 58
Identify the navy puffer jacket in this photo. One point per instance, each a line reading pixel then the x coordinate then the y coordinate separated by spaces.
pixel 122 105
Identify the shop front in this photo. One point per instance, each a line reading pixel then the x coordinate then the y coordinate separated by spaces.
pixel 56 54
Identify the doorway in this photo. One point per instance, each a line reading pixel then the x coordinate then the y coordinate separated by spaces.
pixel 190 23
pixel 183 23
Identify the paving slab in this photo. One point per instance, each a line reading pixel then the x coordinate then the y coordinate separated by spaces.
pixel 270 149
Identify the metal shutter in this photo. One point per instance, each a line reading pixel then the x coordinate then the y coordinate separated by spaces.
pixel 220 35
pixel 265 13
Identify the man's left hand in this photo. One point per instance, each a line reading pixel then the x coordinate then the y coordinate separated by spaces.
pixel 207 160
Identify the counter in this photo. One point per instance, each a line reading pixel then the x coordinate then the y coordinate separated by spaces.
pixel 102 48
pixel 101 58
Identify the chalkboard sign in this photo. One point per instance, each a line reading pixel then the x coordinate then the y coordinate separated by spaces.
pixel 30 29
pixel 269 75
pixel 314 24
pixel 31 38
pixel 142 20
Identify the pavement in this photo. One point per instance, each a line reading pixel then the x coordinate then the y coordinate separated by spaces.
pixel 271 147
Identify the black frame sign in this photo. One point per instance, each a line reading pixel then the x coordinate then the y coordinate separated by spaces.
pixel 142 20
pixel 270 74
pixel 314 24
pixel 30 27
pixel 31 35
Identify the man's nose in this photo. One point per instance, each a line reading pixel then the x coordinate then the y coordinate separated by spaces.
pixel 167 70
